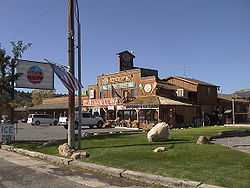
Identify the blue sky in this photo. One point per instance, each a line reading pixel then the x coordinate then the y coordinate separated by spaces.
pixel 211 37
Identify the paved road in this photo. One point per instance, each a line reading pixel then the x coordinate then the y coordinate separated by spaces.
pixel 239 143
pixel 18 171
pixel 25 131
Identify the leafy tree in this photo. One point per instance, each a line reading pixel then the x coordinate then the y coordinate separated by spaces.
pixel 4 65
pixel 8 76
pixel 4 84
pixel 39 94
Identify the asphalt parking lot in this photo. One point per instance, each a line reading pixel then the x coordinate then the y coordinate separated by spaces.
pixel 25 132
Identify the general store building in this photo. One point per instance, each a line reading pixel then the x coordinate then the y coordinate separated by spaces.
pixel 137 96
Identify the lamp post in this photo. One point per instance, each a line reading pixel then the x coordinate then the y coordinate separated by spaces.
pixel 79 75
pixel 71 98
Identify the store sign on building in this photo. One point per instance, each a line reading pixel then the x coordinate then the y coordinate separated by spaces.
pixel 100 102
pixel 84 93
pixel 120 107
pixel 142 106
pixel 111 107
pixel 118 86
pixel 119 79
pixel 91 94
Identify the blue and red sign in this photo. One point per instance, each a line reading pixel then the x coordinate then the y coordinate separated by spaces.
pixel 35 74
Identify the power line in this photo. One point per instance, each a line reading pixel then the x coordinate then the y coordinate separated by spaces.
pixel 32 22
pixel 184 70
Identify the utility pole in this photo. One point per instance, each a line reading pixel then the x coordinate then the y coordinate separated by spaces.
pixel 71 99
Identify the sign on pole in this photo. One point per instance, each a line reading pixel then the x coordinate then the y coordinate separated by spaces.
pixel 7 133
pixel 35 75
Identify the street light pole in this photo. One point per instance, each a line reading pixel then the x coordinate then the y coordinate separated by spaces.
pixel 79 76
pixel 71 98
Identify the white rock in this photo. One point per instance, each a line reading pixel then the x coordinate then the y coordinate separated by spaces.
pixel 160 149
pixel 158 133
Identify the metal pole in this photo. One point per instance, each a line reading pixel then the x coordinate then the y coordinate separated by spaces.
pixel 79 92
pixel 12 95
pixel 203 119
pixel 71 99
pixel 79 77
pixel 233 112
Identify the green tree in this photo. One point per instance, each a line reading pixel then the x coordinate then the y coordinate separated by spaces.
pixel 39 94
pixel 4 84
pixel 8 76
pixel 4 65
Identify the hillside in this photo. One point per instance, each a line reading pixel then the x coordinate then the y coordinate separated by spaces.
pixel 243 93
pixel 23 96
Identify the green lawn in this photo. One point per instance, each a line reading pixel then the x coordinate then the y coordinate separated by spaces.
pixel 211 164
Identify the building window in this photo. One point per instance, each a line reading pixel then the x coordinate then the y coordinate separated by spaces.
pixel 102 95
pixel 208 92
pixel 148 115
pixel 115 93
pixel 127 114
pixel 134 93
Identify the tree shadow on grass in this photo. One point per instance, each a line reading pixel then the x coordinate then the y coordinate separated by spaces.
pixel 170 142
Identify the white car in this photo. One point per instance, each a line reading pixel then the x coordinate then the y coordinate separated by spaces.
pixel 87 119
pixel 37 119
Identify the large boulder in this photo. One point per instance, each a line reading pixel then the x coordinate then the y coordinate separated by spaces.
pixel 158 133
pixel 203 140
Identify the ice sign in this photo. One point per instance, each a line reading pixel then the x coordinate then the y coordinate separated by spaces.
pixel 7 133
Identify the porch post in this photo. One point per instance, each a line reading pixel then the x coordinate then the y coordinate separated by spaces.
pixel 137 114
pixel 158 117
pixel 233 112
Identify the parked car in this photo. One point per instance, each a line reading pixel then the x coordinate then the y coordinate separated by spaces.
pixel 37 119
pixel 87 119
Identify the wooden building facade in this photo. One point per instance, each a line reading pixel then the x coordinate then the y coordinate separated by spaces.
pixel 140 98
pixel 137 96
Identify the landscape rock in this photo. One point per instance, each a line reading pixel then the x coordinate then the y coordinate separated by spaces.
pixel 203 140
pixel 78 155
pixel 158 133
pixel 65 150
pixel 50 143
pixel 159 149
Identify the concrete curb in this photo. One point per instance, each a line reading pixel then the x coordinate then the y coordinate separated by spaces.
pixel 98 168
pixel 160 180
pixel 37 154
pixel 138 176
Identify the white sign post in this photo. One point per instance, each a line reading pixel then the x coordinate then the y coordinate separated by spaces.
pixel 7 133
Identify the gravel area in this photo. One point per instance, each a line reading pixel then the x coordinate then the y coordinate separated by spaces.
pixel 239 143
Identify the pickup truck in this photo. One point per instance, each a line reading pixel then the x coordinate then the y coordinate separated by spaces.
pixel 87 120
